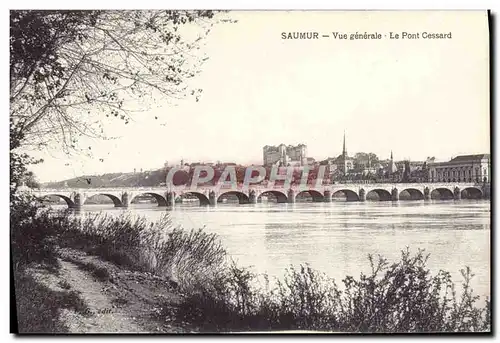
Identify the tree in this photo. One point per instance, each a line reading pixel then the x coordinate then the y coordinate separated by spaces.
pixel 362 158
pixel 373 158
pixel 18 164
pixel 30 180
pixel 68 69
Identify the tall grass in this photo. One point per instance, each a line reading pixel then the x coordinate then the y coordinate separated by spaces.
pixel 186 257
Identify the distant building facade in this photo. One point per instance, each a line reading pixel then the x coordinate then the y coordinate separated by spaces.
pixel 311 161
pixel 285 155
pixel 465 168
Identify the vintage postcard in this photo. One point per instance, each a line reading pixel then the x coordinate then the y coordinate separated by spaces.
pixel 209 171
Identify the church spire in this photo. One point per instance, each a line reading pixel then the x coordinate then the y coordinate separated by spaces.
pixel 392 166
pixel 344 152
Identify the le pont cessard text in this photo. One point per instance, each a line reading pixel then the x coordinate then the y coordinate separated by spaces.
pixel 403 35
pixel 420 35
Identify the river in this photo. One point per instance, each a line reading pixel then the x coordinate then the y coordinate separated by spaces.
pixel 337 237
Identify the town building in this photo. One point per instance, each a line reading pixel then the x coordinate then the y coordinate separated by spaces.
pixel 389 169
pixel 311 161
pixel 284 155
pixel 415 171
pixel 464 168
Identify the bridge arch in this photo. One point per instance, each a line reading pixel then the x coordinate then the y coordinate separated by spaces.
pixel 378 195
pixel 201 197
pixel 348 194
pixel 471 193
pixel 242 197
pixel 69 202
pixel 411 194
pixel 315 195
pixel 159 198
pixel 280 196
pixel 117 202
pixel 442 193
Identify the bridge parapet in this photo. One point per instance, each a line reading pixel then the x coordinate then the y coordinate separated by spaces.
pixel 122 196
pixel 263 187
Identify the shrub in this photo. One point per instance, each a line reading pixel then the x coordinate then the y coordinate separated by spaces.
pixel 189 257
pixel 401 297
pixel 33 233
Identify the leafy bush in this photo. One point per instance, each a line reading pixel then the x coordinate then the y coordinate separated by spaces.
pixel 33 234
pixel 400 297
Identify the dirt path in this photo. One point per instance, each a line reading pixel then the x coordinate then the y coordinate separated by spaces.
pixel 101 315
pixel 111 300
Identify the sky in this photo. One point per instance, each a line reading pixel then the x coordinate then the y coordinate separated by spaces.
pixel 418 98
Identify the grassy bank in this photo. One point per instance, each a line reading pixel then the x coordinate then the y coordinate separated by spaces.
pixel 217 295
pixel 186 257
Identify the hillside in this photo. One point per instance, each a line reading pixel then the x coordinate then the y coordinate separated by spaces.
pixel 139 179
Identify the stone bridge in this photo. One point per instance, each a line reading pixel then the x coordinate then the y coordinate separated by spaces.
pixel 122 197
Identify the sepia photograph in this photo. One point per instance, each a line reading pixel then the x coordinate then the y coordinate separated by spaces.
pixel 226 171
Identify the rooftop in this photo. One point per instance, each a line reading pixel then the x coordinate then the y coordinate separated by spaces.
pixel 288 146
pixel 465 158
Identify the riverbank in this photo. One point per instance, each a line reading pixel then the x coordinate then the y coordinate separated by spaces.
pixel 103 274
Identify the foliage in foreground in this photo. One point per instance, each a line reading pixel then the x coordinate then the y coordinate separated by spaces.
pixel 397 297
pixel 69 69
pixel 184 256
pixel 187 257
pixel 32 236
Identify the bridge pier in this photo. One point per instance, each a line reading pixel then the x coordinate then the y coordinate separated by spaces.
pixel 427 193
pixel 457 194
pixel 362 195
pixel 486 189
pixel 212 199
pixel 170 197
pixel 395 194
pixel 291 196
pixel 77 201
pixel 327 196
pixel 252 197
pixel 125 200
